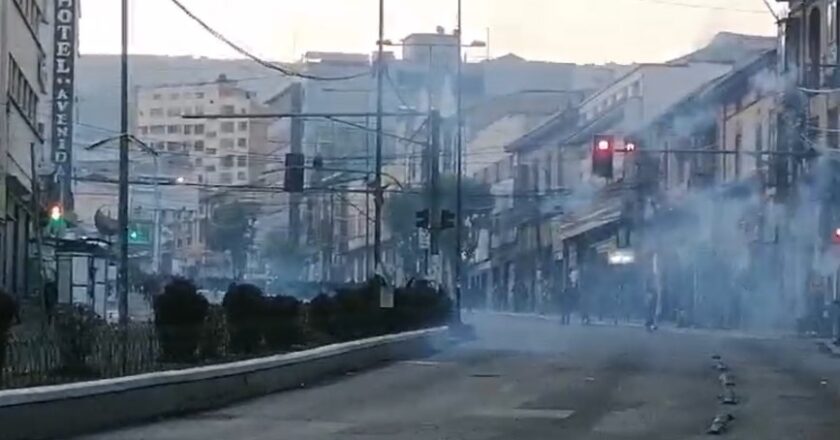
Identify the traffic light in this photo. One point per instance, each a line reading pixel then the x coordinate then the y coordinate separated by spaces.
pixel 603 149
pixel 139 234
pixel 447 219
pixel 835 235
pixel 423 219
pixel 293 180
pixel 56 213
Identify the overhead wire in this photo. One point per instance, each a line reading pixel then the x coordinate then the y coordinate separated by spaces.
pixel 267 64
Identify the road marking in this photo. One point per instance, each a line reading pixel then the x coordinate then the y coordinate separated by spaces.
pixel 555 414
pixel 424 363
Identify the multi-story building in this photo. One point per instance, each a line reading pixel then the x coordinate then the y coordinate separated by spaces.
pixel 224 151
pixel 25 40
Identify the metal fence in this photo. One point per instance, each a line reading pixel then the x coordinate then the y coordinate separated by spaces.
pixel 45 358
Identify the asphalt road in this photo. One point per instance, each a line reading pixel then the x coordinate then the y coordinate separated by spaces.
pixel 532 379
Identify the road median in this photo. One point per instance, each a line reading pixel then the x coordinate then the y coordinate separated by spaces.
pixel 60 411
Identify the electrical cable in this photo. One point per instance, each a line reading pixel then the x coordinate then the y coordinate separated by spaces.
pixel 258 60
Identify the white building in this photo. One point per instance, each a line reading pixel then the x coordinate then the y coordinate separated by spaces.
pixel 223 151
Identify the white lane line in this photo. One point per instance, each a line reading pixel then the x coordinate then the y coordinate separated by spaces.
pixel 556 414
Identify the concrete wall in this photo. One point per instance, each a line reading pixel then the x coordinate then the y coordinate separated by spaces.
pixel 62 411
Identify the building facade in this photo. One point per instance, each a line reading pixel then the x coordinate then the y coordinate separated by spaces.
pixel 25 40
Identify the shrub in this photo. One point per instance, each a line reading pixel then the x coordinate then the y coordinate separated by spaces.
pixel 420 305
pixel 8 314
pixel 281 322
pixel 179 316
pixel 357 312
pixel 213 333
pixel 321 314
pixel 76 329
pixel 243 304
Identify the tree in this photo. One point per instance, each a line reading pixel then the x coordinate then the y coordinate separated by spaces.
pixel 284 256
pixel 231 229
pixel 400 210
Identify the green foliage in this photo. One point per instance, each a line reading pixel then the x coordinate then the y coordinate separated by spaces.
pixel 243 304
pixel 76 328
pixel 213 334
pixel 231 229
pixel 179 317
pixel 281 322
pixel 400 210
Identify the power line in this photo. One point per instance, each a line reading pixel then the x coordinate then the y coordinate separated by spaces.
pixel 704 6
pixel 258 60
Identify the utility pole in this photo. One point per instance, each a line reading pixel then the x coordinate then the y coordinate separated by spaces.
pixel 296 146
pixel 122 275
pixel 434 178
pixel 366 258
pixel 378 194
pixel 459 155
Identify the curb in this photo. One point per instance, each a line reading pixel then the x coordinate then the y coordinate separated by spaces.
pixel 62 411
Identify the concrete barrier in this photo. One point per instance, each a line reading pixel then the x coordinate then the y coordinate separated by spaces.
pixel 61 411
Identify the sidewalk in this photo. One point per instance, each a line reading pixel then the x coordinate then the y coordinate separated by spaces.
pixel 829 347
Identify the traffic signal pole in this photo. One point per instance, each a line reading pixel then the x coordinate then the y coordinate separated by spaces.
pixel 377 181
pixel 122 275
pixel 434 182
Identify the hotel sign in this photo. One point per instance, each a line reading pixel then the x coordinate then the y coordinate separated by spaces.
pixel 64 59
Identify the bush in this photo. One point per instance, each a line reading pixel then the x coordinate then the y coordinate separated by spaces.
pixel 357 312
pixel 179 317
pixel 243 304
pixel 8 315
pixel 321 314
pixel 281 322
pixel 419 305
pixel 76 329
pixel 213 333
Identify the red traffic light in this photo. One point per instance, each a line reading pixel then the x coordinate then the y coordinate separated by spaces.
pixel 603 149
pixel 835 235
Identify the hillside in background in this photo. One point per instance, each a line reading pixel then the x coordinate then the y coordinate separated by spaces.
pixel 98 86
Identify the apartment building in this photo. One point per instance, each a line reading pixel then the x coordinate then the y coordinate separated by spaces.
pixel 24 50
pixel 223 151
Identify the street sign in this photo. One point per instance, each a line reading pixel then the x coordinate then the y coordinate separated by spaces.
pixel 424 238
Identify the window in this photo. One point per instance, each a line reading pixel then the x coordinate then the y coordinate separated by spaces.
pixel 832 134
pixel 188 129
pixel 548 165
pixel 243 126
pixel 199 95
pixel 199 109
pixel 173 146
pixel 200 178
pixel 242 143
pixel 199 161
pixel 227 127
pixel 31 13
pixel 210 168
pixel 143 130
pixel 227 161
pixel 173 129
pixel 173 111
pixel 22 93
pixel 211 134
pixel 157 96
pixel 241 161
pixel 157 129
pixel 211 151
pixel 199 128
pixel 228 110
pixel 241 175
pixel 225 178
pixel 226 143
pixel 198 146
pixel 156 112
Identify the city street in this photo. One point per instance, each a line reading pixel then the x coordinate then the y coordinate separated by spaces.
pixel 527 378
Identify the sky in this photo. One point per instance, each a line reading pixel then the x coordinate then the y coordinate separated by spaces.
pixel 581 31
